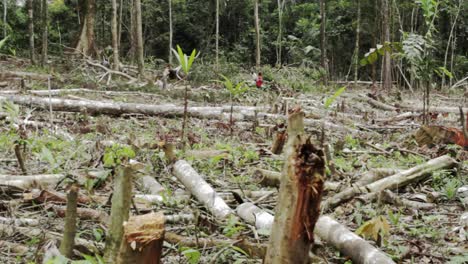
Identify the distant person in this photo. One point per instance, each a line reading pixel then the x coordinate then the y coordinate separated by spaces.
pixel 259 80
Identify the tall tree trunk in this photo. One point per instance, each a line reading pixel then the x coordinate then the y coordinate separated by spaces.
pixel 257 34
pixel 323 40
pixel 45 46
pixel 32 55
pixel 450 38
pixel 132 32
pixel 139 37
pixel 387 70
pixel 217 35
pixel 356 46
pixel 5 8
pixel 115 37
pixel 171 33
pixel 119 22
pixel 86 43
pixel 280 32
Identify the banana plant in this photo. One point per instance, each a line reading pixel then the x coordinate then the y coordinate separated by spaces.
pixel 186 63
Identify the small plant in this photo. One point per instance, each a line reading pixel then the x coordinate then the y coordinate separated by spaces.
pixel 193 256
pixel 376 229
pixel 232 227
pixel 394 217
pixel 234 91
pixel 116 154
pixel 186 64
pixel 450 188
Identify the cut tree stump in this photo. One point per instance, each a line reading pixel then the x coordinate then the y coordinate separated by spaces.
pixel 142 240
pixel 300 193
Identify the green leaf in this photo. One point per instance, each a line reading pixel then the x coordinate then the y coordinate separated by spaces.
pixel 191 59
pixel 238 249
pixel 3 42
pixel 193 256
pixel 330 100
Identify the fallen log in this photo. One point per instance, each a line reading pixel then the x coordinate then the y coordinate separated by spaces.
pixel 348 243
pixel 398 180
pixel 300 194
pixel 30 181
pixel 83 213
pixel 81 244
pixel 436 109
pixel 150 185
pixel 391 198
pixel 7 246
pixel 201 190
pixel 252 214
pixel 434 135
pixel 19 221
pixel 252 249
pixel 143 239
pixel 28 75
pixel 273 179
pixel 167 110
pixel 375 175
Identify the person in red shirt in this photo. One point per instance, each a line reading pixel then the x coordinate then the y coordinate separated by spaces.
pixel 259 80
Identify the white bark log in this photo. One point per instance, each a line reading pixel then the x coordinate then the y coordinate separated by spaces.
pixel 348 243
pixel 201 190
pixel 26 182
pixel 375 175
pixel 19 221
pixel 252 214
pixel 150 185
pixel 392 182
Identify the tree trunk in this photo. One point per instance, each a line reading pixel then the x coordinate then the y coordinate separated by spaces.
pixel 45 33
pixel 86 42
pixel 171 33
pixel 323 40
pixel 120 19
pixel 132 32
pixel 356 46
pixel 68 241
pixel 119 212
pixel 139 38
pixel 387 64
pixel 32 55
pixel 257 36
pixel 217 35
pixel 279 45
pixel 5 9
pixel 115 37
pixel 300 193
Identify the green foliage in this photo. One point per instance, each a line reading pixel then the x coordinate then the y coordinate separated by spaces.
pixel 376 228
pixel 116 154
pixel 233 227
pixel 373 55
pixel 333 98
pixel 193 256
pixel 184 60
pixel 235 90
pixel 3 42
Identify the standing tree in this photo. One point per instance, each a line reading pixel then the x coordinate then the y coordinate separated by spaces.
pixel 44 32
pixel 387 62
pixel 279 41
pixel 323 40
pixel 139 37
pixel 217 35
pixel 86 42
pixel 32 55
pixel 257 35
pixel 115 37
pixel 5 9
pixel 356 46
pixel 171 33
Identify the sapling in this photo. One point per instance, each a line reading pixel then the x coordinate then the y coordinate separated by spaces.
pixel 186 64
pixel 234 92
